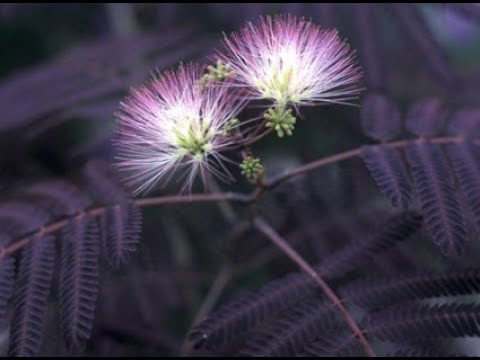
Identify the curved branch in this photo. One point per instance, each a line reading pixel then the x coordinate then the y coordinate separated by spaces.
pixel 161 200
pixel 216 290
pixel 229 196
pixel 349 154
pixel 192 198
pixel 271 234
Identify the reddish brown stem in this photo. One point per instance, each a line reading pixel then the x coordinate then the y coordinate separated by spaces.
pixel 349 154
pixel 162 200
pixel 214 293
pixel 181 199
pixel 271 234
pixel 257 138
pixel 238 197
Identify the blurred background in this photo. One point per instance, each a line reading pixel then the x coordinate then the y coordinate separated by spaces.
pixel 65 67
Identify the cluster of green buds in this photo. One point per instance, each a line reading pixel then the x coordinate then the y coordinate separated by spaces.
pixel 251 168
pixel 195 140
pixel 217 72
pixel 281 120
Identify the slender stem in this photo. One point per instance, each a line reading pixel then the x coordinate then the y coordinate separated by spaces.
pixel 214 293
pixel 313 165
pixel 238 197
pixel 270 233
pixel 224 276
pixel 181 199
pixel 162 200
pixel 257 137
pixel 259 224
pixel 225 207
pixel 271 252
pixel 349 154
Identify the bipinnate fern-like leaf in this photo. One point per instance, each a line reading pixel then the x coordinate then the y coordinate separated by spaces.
pixel 7 282
pixel 389 173
pixel 80 243
pixel 238 317
pixel 120 225
pixel 380 292
pixel 124 225
pixel 465 163
pixel 435 188
pixel 78 281
pixel 337 343
pixel 288 335
pixel 31 297
pixel 396 229
pixel 414 322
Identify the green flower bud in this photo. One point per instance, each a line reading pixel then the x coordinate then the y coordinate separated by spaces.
pixel 251 168
pixel 281 120
pixel 215 73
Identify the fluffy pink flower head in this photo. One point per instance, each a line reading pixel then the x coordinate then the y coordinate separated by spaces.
pixel 291 61
pixel 175 124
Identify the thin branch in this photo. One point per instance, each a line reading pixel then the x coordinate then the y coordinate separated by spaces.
pixel 276 180
pixel 237 197
pixel 271 234
pixel 221 281
pixel 225 207
pixel 161 200
pixel 349 154
pixel 271 252
pixel 257 137
pixel 181 199
pixel 214 293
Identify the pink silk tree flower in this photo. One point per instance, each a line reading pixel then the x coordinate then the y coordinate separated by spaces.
pixel 175 126
pixel 291 61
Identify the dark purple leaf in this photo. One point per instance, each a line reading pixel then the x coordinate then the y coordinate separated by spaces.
pixel 387 169
pixel 31 297
pixel 439 200
pixel 78 289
